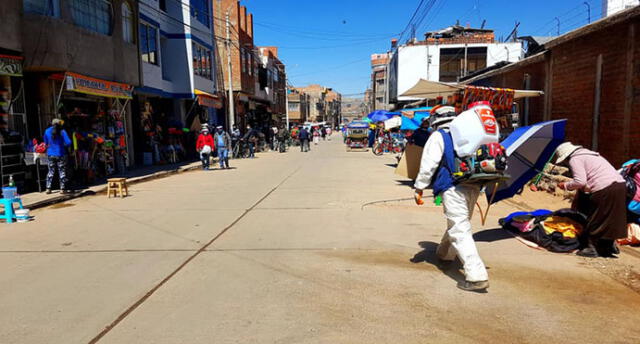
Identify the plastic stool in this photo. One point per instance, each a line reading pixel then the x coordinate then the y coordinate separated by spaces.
pixel 9 215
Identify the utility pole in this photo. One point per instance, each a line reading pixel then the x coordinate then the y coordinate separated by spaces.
pixel 230 94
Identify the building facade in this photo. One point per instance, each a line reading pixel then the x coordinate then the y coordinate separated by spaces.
pixel 333 102
pixel 317 102
pixel 298 107
pixel 270 88
pixel 73 60
pixel 446 56
pixel 379 69
pixel 179 90
pixel 243 62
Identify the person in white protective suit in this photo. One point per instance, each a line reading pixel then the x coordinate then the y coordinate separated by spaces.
pixel 458 200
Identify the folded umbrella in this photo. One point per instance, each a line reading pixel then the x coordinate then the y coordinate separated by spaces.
pixel 528 150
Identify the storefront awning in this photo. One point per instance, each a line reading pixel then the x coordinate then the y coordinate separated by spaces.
pixel 11 65
pixel 208 99
pixel 433 89
pixel 97 87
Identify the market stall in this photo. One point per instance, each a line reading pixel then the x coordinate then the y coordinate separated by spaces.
pixel 461 96
pixel 94 112
pixel 13 124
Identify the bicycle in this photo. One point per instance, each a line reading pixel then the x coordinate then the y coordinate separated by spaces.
pixel 240 149
pixel 386 144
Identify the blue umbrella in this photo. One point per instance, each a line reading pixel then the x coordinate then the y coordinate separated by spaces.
pixel 528 151
pixel 381 115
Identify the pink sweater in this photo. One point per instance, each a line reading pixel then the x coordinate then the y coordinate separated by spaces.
pixel 591 172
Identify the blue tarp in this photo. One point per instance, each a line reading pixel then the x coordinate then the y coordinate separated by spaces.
pixel 414 123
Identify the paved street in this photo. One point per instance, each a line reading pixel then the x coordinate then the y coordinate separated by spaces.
pixel 289 248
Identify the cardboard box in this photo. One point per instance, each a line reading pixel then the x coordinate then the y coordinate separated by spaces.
pixel 409 165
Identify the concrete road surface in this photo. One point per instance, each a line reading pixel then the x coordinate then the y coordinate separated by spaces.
pixel 292 248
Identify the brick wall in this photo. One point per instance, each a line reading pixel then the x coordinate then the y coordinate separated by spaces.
pixel 572 88
pixel 574 85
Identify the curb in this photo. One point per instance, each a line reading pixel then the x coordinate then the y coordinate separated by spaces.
pixel 103 187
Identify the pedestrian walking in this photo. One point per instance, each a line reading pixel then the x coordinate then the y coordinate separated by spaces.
pixel 438 159
pixel 222 140
pixel 282 136
pixel 251 137
pixel 601 197
pixel 316 136
pixel 204 146
pixel 57 142
pixel 304 139
pixel 329 133
pixel 323 132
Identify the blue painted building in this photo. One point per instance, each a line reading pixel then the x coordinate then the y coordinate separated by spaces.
pixel 178 89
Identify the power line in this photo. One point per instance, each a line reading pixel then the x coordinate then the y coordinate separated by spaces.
pixel 411 20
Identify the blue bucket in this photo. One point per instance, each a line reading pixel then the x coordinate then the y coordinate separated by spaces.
pixel 9 192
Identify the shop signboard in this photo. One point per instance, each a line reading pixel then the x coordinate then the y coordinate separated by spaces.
pixel 208 100
pixel 10 65
pixel 84 84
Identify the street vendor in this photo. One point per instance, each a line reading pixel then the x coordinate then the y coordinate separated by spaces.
pixel 601 197
pixel 421 135
pixel 438 158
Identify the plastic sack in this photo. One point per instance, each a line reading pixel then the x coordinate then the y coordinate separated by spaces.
pixel 206 149
pixel 633 235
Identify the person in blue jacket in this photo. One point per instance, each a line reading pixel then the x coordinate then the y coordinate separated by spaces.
pixel 57 141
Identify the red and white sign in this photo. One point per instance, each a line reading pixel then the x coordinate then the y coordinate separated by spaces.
pixel 488 120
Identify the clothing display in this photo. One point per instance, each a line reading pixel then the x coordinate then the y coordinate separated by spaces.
pixel 557 231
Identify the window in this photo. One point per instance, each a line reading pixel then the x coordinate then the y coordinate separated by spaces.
pixel 201 61
pixel 127 23
pixel 200 10
pixel 242 61
pixel 163 5
pixel 42 7
pixel 294 106
pixel 149 43
pixel 94 15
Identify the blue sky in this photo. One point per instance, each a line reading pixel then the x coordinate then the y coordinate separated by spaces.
pixel 330 42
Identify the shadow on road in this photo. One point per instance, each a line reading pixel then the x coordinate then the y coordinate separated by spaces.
pixel 491 235
pixel 408 183
pixel 428 255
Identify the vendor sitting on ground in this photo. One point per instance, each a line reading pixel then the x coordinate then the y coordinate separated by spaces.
pixel 601 197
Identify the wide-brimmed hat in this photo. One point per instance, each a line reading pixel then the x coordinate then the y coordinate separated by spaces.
pixel 564 151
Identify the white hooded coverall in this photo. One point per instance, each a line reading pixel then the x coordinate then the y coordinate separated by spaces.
pixel 458 204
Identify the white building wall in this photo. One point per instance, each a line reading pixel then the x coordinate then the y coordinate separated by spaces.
pixel 423 62
pixel 412 66
pixel 610 7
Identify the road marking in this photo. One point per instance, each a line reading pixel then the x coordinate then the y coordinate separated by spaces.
pixel 144 298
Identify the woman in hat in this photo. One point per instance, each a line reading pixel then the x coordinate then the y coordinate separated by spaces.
pixel 205 146
pixel 601 197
